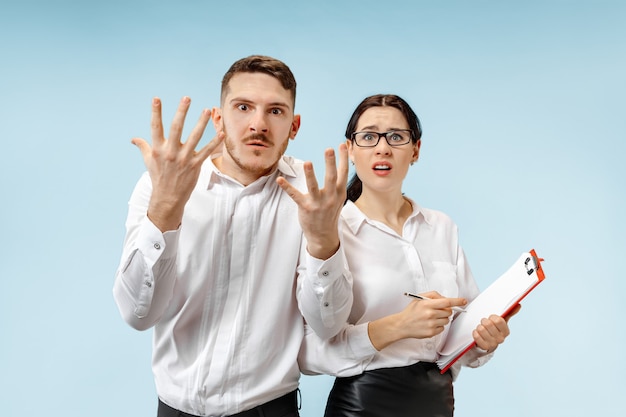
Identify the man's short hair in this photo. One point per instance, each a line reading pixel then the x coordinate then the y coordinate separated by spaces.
pixel 266 65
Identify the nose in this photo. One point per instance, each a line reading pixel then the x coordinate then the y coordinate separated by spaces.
pixel 382 147
pixel 258 122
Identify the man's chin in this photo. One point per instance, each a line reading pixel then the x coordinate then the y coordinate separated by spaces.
pixel 258 160
pixel 264 158
pixel 261 166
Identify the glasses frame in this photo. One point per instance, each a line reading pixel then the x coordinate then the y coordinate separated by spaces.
pixel 382 135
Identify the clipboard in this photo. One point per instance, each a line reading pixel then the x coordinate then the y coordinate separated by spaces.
pixel 500 298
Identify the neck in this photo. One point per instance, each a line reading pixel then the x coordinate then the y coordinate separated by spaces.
pixel 392 210
pixel 244 175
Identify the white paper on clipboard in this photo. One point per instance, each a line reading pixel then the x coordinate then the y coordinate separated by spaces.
pixel 499 298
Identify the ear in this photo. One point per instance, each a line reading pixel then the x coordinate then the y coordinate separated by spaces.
pixel 349 144
pixel 216 116
pixel 295 126
pixel 416 151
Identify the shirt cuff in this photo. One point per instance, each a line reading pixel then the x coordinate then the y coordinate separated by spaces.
pixel 476 357
pixel 154 245
pixel 360 342
pixel 323 268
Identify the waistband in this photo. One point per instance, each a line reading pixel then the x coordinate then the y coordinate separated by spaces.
pixel 278 407
pixel 275 408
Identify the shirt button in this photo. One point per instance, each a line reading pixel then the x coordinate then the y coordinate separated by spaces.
pixel 325 273
pixel 148 284
pixel 157 246
pixel 326 303
pixel 430 346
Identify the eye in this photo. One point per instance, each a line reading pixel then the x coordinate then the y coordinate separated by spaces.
pixel 395 137
pixel 243 107
pixel 276 111
pixel 369 137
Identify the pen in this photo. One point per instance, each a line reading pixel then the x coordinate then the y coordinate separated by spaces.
pixel 421 297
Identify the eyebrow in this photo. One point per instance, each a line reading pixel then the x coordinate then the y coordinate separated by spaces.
pixel 247 101
pixel 375 127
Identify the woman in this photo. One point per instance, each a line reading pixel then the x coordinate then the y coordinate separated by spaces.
pixel 384 358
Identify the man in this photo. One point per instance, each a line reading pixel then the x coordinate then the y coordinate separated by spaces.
pixel 227 256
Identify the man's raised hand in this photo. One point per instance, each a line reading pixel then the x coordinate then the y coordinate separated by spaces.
pixel 319 209
pixel 174 166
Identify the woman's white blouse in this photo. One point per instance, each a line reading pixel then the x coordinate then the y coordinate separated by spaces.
pixel 385 265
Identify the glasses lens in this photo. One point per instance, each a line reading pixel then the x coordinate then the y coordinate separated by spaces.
pixel 366 138
pixel 398 137
pixel 394 138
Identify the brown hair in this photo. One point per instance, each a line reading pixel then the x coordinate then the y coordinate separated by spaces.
pixel 266 65
pixel 355 186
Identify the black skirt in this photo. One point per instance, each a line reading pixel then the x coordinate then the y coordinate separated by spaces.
pixel 409 391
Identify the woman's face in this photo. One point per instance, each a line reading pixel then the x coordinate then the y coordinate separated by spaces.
pixel 383 167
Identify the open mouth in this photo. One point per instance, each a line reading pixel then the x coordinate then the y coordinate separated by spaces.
pixel 381 167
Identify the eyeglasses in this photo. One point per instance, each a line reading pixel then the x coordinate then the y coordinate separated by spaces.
pixel 393 138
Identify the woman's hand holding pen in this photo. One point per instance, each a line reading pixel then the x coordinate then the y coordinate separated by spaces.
pixel 422 318
pixel 428 316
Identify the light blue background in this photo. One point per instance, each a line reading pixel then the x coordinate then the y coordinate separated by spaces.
pixel 523 110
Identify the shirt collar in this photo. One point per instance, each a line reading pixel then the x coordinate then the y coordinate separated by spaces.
pixel 211 174
pixel 355 218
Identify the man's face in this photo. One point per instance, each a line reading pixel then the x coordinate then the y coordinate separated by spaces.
pixel 258 119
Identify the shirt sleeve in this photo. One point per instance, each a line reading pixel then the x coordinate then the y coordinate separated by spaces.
pixel 346 354
pixel 474 358
pixel 324 292
pixel 465 279
pixel 145 278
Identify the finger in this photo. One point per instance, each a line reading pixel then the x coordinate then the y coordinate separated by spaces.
pixel 311 181
pixel 495 328
pixel 483 338
pixel 198 130
pixel 485 329
pixel 432 295
pixel 176 130
pixel 343 168
pixel 480 341
pixel 513 312
pixel 143 146
pixel 330 178
pixel 441 322
pixel 291 191
pixel 446 302
pixel 210 147
pixel 500 326
pixel 496 320
pixel 156 123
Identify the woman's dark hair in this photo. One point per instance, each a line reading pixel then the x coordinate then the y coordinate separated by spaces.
pixel 355 187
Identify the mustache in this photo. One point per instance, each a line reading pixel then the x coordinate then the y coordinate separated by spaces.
pixel 257 137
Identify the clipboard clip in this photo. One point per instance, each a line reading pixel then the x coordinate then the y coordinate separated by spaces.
pixel 531 268
pixel 536 265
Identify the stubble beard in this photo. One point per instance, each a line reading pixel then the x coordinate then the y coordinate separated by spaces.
pixel 257 169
